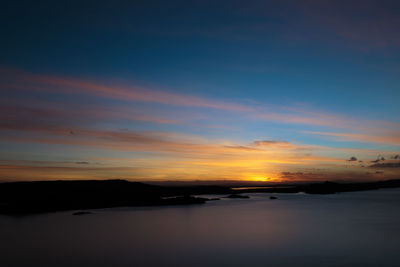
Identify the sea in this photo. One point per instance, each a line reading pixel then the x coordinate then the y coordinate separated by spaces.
pixel 343 229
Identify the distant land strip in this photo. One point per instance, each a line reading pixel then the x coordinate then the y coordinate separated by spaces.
pixel 23 198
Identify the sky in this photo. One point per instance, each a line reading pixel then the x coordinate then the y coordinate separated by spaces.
pixel 278 91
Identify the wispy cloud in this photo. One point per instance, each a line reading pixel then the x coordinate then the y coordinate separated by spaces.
pixel 80 126
pixel 35 111
pixel 66 85
pixel 51 84
pixel 393 139
pixel 386 165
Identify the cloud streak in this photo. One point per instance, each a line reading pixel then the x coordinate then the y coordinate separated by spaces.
pixel 80 126
pixel 382 132
pixel 393 139
pixel 386 165
pixel 68 85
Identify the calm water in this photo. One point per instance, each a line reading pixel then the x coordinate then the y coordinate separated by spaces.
pixel 347 229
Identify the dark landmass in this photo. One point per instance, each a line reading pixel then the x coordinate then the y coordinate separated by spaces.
pixel 213 199
pixel 325 187
pixel 48 196
pixel 225 183
pixel 237 196
pixel 19 198
pixel 272 197
pixel 80 213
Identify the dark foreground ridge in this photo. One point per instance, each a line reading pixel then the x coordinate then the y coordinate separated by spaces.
pixel 21 198
pixel 48 196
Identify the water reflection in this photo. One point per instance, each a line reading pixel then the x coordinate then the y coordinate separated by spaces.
pixel 348 229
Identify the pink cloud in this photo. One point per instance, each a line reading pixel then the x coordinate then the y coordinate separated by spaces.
pixel 66 85
pixel 70 115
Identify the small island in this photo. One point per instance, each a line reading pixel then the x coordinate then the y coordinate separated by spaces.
pixel 237 196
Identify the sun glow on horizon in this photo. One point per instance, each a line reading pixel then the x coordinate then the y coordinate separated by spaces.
pixel 262 178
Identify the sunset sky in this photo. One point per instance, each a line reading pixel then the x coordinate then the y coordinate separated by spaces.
pixel 276 91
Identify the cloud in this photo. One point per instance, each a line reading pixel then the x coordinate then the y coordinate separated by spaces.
pixel 67 85
pixel 352 159
pixel 279 145
pixel 291 174
pixel 159 143
pixel 32 173
pixel 269 143
pixel 245 148
pixel 62 85
pixel 393 138
pixel 19 114
pixel 386 165
pixel 300 176
pixel 379 158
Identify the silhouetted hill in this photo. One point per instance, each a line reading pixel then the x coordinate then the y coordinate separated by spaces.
pixel 46 196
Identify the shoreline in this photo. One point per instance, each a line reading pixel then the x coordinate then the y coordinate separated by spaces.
pixel 24 198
